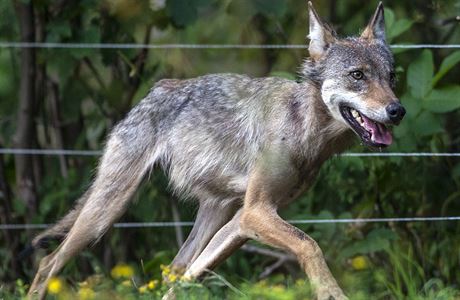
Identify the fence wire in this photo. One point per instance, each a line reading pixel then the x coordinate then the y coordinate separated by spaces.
pixel 50 152
pixel 189 224
pixel 119 46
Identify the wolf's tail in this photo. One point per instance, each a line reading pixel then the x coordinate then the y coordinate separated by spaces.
pixel 131 150
pixel 58 231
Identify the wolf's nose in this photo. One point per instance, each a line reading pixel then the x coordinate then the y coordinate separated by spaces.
pixel 395 111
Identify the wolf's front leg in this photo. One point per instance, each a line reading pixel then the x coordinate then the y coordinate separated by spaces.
pixel 274 177
pixel 263 224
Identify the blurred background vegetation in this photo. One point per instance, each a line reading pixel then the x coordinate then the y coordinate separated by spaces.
pixel 70 98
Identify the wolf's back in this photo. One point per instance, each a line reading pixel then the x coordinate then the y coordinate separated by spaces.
pixel 209 129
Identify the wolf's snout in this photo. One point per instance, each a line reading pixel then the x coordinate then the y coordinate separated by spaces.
pixel 395 112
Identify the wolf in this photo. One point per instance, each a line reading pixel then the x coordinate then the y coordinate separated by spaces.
pixel 242 148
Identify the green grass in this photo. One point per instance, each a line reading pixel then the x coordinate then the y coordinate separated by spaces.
pixel 215 287
pixel 393 275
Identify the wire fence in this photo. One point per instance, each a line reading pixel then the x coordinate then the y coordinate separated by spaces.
pixel 50 152
pixel 53 152
pixel 6 44
pixel 189 224
pixel 119 46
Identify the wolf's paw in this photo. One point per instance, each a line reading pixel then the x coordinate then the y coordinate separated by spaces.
pixel 170 295
pixel 331 294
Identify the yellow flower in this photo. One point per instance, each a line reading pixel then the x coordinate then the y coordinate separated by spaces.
pixel 165 270
pixel 359 263
pixel 122 271
pixel 143 289
pixel 172 277
pixel 86 294
pixel 152 284
pixel 55 286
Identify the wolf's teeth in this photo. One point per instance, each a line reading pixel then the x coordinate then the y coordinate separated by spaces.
pixel 357 116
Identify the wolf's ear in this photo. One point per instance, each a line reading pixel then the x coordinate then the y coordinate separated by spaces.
pixel 320 35
pixel 376 27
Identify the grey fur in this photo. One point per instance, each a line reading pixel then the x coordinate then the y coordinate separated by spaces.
pixel 242 147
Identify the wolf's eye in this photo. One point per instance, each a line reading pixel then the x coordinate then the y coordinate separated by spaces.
pixel 358 75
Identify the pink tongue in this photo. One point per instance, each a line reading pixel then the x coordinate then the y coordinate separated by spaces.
pixel 379 133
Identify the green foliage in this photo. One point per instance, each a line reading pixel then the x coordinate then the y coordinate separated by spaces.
pixel 447 64
pixel 424 100
pixel 376 240
pixel 184 13
pixel 271 8
pixel 393 27
pixel 420 74
pixel 443 100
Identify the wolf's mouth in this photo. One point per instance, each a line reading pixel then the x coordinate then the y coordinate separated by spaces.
pixel 371 132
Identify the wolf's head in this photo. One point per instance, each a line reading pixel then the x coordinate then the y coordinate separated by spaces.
pixel 356 78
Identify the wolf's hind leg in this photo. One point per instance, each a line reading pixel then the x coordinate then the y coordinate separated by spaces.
pixel 120 172
pixel 226 241
pixel 210 218
pixel 222 244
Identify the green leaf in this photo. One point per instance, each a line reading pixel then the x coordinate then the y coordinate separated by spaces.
pixel 270 8
pixel 242 10
pixel 57 31
pixel 428 124
pixel 382 234
pixel 447 64
pixel 399 28
pixel 152 267
pixel 405 137
pixel 376 240
pixel 326 230
pixel 90 35
pixel 395 28
pixel 420 74
pixel 389 18
pixel 412 105
pixel 60 62
pixel 443 100
pixel 456 171
pixel 184 13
